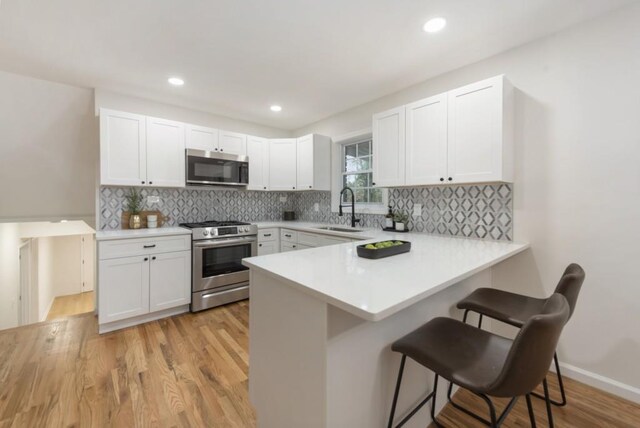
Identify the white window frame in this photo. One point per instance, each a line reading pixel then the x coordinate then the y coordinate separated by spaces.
pixel 337 161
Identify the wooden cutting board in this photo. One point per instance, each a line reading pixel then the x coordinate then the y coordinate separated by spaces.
pixel 162 219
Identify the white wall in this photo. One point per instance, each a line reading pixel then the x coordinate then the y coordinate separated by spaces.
pixel 9 274
pixel 59 261
pixel 48 150
pixel 577 179
pixel 117 101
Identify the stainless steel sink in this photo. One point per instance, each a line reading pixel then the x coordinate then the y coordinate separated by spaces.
pixel 338 229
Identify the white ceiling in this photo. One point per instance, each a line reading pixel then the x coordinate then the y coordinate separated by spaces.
pixel 314 57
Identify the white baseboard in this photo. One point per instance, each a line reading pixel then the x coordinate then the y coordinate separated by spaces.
pixel 612 386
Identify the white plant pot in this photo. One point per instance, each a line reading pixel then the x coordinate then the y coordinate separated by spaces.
pixel 399 226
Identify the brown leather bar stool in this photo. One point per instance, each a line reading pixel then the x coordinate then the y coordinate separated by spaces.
pixel 516 309
pixel 485 363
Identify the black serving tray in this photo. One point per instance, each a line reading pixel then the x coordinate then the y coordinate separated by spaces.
pixel 383 252
pixel 392 229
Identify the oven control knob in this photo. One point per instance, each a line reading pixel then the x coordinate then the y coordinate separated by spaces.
pixel 206 233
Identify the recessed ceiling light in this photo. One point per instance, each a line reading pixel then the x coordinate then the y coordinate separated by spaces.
pixel 275 108
pixel 434 25
pixel 176 81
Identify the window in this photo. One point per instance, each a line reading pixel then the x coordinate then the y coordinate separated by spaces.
pixel 357 173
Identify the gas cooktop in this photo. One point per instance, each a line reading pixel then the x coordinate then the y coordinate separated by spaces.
pixel 217 229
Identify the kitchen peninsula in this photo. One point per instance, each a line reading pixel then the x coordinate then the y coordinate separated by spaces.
pixel 322 321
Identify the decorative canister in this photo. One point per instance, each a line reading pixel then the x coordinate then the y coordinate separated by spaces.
pixel 134 221
pixel 152 221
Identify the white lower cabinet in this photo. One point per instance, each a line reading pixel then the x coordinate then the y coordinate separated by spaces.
pixel 169 280
pixel 288 246
pixel 265 248
pixel 292 240
pixel 268 241
pixel 142 283
pixel 123 288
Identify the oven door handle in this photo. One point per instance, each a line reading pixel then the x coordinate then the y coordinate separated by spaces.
pixel 222 293
pixel 216 243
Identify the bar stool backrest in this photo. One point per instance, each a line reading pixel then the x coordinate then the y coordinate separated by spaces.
pixel 570 284
pixel 532 351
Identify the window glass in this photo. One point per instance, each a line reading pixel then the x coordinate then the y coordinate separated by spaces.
pixel 358 175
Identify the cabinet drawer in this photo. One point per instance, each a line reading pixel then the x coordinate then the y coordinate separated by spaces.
pixel 308 239
pixel 289 235
pixel 133 247
pixel 266 235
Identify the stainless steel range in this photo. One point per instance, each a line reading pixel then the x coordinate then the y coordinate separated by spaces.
pixel 218 276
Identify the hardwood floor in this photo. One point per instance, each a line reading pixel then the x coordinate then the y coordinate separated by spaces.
pixel 75 304
pixel 586 407
pixel 188 370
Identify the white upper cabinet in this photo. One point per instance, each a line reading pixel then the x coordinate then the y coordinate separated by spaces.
pixel 480 132
pixel 122 148
pixel 165 153
pixel 389 148
pixel 282 164
pixel 201 138
pixel 313 163
pixel 137 150
pixel 232 143
pixel 258 152
pixel 426 141
pixel 462 136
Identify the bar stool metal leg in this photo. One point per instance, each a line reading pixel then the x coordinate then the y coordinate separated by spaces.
pixel 397 391
pixel 532 417
pixel 395 398
pixel 560 385
pixel 548 402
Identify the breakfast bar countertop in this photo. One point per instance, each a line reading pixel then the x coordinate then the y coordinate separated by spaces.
pixel 375 289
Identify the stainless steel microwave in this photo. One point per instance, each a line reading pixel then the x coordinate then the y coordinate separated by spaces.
pixel 206 168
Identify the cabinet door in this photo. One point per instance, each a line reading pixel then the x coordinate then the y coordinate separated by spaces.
pixel 475 132
pixel 201 138
pixel 122 148
pixel 389 148
pixel 288 246
pixel 170 280
pixel 123 288
pixel 304 163
pixel 165 153
pixel 282 164
pixel 258 152
pixel 426 133
pixel 233 143
pixel 270 247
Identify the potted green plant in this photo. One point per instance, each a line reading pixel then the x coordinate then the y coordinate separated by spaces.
pixel 134 205
pixel 401 218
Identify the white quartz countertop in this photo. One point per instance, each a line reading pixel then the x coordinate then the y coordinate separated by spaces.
pixel 106 235
pixel 304 226
pixel 376 289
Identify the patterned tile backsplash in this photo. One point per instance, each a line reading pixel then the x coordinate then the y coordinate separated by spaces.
pixel 477 211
